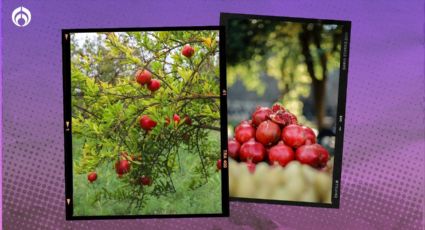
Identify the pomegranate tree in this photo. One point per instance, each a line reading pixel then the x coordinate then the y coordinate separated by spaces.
pixel 146 108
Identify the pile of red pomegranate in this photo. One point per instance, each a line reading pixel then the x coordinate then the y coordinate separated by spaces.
pixel 274 136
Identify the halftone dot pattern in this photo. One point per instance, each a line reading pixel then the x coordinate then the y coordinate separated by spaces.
pixel 382 184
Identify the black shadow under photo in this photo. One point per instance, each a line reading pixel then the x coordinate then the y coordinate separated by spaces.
pixel 286 81
pixel 145 123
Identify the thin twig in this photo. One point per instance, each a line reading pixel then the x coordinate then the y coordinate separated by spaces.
pixel 87 111
pixel 201 157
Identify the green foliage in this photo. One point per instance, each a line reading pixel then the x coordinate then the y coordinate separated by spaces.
pixel 107 103
pixel 109 195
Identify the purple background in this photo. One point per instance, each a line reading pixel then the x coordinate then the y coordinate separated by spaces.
pixel 382 184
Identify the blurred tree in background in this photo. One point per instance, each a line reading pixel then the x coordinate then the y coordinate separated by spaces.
pixel 298 55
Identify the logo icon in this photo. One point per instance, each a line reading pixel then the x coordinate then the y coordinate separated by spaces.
pixel 21 16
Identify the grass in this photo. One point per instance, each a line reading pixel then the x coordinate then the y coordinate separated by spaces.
pixel 205 199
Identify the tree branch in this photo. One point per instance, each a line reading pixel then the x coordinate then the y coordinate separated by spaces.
pixel 195 71
pixel 304 40
pixel 122 96
pixel 197 97
pixel 87 111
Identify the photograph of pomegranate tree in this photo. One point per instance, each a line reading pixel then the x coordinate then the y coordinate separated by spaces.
pixel 146 123
pixel 283 79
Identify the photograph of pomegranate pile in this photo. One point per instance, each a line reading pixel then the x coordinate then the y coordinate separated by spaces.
pixel 274 139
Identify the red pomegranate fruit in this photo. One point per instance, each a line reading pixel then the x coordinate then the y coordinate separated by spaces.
pixel 260 114
pixel 122 167
pixel 252 151
pixel 188 51
pixel 244 131
pixel 251 167
pixel 145 180
pixel 147 123
pixel 154 85
pixel 233 148
pixel 314 155
pixel 293 136
pixel 310 136
pixel 291 118
pixel 219 164
pixel 280 154
pixel 278 118
pixel 283 118
pixel 278 107
pixel 176 118
pixel 92 177
pixel 268 133
pixel 187 120
pixel 143 77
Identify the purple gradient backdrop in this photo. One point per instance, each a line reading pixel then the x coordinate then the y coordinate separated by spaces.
pixel 382 184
